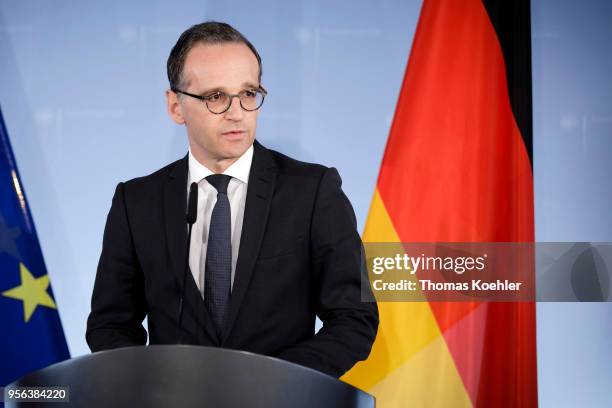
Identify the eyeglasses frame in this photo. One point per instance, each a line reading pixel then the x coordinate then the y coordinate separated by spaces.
pixel 205 99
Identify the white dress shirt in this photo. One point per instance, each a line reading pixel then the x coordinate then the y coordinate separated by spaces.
pixel 207 197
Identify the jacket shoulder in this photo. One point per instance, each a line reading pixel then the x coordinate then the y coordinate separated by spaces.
pixel 158 177
pixel 289 166
pixel 148 190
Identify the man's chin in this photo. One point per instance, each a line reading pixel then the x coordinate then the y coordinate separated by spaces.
pixel 235 149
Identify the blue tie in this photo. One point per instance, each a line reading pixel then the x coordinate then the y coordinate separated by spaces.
pixel 217 280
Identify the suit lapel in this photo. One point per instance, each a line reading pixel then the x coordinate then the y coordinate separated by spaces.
pixel 175 205
pixel 262 179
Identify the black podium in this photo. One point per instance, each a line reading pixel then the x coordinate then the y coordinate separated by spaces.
pixel 190 376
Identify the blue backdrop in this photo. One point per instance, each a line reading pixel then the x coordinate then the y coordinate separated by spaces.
pixel 82 90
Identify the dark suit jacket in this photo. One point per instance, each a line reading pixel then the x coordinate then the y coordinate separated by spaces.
pixel 300 256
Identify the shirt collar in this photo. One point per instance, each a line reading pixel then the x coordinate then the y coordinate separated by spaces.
pixel 239 170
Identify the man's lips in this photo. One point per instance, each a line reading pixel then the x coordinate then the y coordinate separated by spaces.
pixel 233 134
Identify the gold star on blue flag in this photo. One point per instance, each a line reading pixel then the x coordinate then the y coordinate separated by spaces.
pixel 32 292
pixel 32 336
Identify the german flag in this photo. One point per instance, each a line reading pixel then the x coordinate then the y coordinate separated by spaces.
pixel 458 168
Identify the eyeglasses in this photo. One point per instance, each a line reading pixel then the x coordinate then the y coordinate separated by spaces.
pixel 219 102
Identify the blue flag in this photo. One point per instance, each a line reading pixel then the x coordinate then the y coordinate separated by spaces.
pixel 32 336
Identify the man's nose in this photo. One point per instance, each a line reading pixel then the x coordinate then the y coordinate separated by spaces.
pixel 235 111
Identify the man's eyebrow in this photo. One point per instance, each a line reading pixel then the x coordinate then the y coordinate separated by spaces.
pixel 245 85
pixel 249 85
pixel 212 90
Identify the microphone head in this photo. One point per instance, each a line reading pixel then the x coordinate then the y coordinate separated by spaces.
pixel 192 206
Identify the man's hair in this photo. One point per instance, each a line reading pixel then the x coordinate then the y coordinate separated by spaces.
pixel 210 32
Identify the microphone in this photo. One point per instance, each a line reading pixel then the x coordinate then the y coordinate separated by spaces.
pixel 191 216
pixel 192 207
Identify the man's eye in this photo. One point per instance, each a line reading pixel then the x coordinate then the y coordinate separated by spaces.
pixel 214 97
pixel 250 93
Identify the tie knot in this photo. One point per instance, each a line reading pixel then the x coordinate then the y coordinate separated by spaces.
pixel 219 181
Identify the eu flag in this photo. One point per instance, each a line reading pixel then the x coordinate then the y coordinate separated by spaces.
pixel 32 336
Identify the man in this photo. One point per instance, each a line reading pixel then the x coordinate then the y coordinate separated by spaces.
pixel 274 243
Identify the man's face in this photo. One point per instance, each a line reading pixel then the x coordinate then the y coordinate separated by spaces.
pixel 216 139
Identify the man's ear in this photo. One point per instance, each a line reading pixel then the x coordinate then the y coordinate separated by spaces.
pixel 175 110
